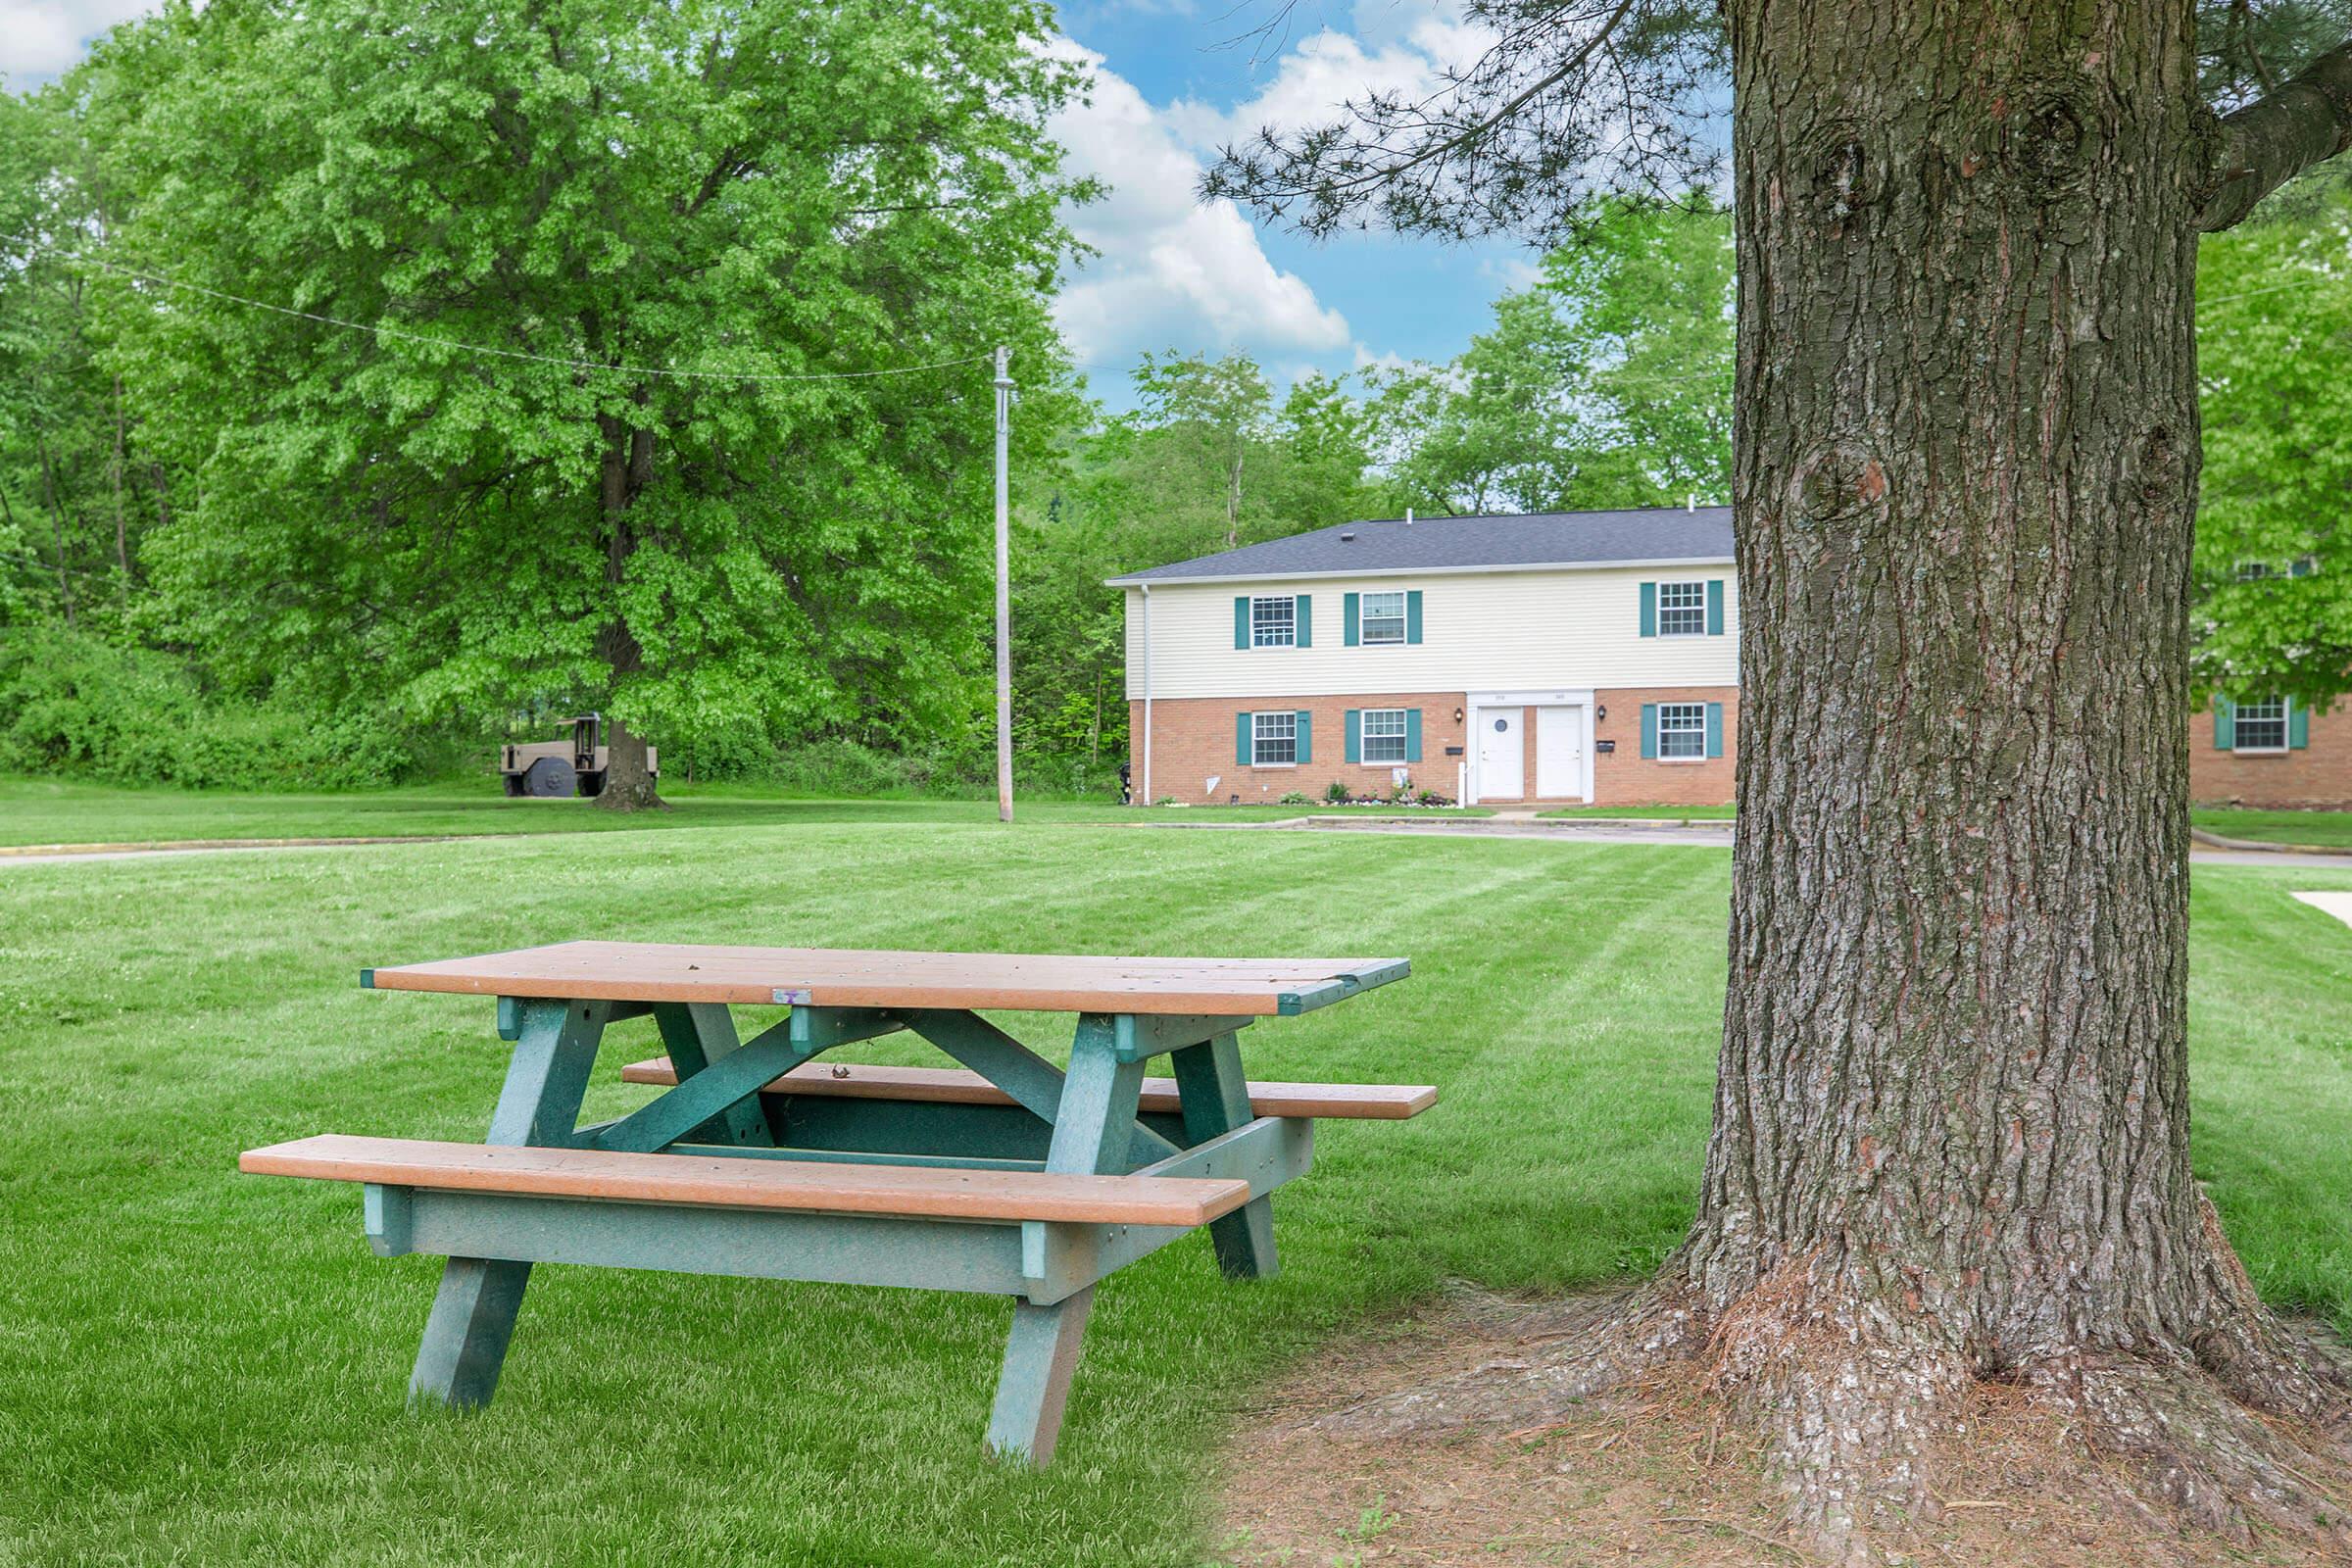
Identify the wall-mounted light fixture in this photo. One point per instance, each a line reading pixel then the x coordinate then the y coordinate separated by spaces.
pixel 1599 713
pixel 1457 715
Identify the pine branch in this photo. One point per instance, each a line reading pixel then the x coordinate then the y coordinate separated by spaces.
pixel 2279 136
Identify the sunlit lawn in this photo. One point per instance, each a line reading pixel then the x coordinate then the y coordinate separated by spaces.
pixel 202 1367
pixel 2327 829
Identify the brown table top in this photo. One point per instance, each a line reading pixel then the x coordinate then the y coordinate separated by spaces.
pixel 829 977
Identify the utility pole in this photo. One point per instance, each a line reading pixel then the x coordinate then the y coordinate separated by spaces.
pixel 1003 590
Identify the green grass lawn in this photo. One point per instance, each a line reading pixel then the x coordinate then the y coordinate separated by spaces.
pixel 2330 829
pixel 58 812
pixel 202 1367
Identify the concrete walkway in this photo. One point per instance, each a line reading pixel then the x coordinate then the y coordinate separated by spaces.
pixel 1716 835
pixel 65 854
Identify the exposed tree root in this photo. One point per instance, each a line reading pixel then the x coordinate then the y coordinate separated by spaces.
pixel 1857 1411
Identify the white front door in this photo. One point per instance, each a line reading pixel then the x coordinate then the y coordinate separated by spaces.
pixel 1560 754
pixel 1502 753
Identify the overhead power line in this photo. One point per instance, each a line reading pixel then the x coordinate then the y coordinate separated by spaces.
pixel 564 362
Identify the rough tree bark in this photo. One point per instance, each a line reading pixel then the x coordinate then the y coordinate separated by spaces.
pixel 628 468
pixel 1951 1119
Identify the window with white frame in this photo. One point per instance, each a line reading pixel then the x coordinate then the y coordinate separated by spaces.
pixel 1274 622
pixel 1682 609
pixel 2261 726
pixel 1384 735
pixel 1382 618
pixel 2263 570
pixel 1682 730
pixel 1273 739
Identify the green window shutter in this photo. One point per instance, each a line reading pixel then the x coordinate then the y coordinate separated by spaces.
pixel 1240 621
pixel 1649 725
pixel 1245 737
pixel 1306 620
pixel 2225 724
pixel 2298 725
pixel 1714 729
pixel 1352 611
pixel 1714 606
pixel 1413 734
pixel 1355 734
pixel 1649 615
pixel 1412 616
pixel 1307 750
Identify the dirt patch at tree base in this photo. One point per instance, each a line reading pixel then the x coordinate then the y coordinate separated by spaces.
pixel 1652 1476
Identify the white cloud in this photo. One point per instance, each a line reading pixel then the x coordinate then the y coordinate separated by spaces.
pixel 1172 271
pixel 43 38
pixel 1327 69
pixel 1176 272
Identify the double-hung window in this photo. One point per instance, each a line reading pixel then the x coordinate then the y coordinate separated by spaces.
pixel 1681 729
pixel 1274 739
pixel 1274 621
pixel 1384 735
pixel 1682 609
pixel 2261 726
pixel 1383 619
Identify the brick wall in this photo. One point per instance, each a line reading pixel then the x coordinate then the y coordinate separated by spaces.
pixel 2318 775
pixel 1193 739
pixel 1624 778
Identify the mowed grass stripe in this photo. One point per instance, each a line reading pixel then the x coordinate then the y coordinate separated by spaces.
pixel 209 1368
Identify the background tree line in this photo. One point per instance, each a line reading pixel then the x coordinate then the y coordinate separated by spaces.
pixel 245 547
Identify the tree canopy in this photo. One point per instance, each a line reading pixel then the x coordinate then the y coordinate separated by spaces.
pixel 1606 382
pixel 2274 561
pixel 621 356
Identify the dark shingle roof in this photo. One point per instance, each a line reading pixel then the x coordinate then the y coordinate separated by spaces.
pixel 1444 543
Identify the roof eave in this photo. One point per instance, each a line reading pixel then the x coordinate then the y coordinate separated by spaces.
pixel 1423 571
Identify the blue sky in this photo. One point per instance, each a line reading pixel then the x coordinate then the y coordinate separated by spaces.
pixel 1173 80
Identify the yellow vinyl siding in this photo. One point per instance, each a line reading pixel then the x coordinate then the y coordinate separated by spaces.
pixel 1482 631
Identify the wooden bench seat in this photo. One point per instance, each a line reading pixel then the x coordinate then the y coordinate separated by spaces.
pixel 723 1182
pixel 957 1087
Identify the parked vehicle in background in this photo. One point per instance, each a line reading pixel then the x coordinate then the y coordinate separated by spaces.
pixel 553 769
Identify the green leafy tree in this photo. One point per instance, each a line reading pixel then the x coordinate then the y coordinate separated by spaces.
pixel 1208 460
pixel 1606 382
pixel 688 237
pixel 77 489
pixel 2273 555
pixel 1207 414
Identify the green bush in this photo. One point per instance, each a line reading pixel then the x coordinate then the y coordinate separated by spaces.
pixel 74 704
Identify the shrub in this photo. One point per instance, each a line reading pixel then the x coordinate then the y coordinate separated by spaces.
pixel 1296 798
pixel 71 704
pixel 1336 793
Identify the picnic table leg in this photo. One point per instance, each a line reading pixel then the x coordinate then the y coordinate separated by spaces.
pixel 1215 1099
pixel 1092 1129
pixel 697 1034
pixel 473 1312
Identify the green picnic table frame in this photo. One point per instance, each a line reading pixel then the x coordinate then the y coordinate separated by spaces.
pixel 554 1004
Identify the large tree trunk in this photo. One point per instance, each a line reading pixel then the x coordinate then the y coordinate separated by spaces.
pixel 1951 1120
pixel 1954 1092
pixel 1952 1110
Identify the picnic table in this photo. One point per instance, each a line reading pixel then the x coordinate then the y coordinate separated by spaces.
pixel 1005 1175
